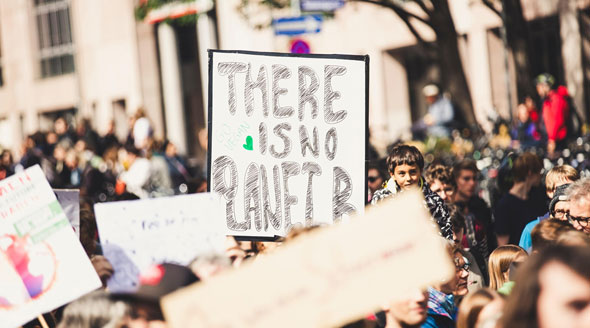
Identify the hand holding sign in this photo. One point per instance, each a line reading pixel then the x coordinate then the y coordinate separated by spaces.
pixel 332 275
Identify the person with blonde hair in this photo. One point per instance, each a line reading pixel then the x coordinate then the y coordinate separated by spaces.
pixel 481 308
pixel 556 182
pixel 501 259
pixel 552 290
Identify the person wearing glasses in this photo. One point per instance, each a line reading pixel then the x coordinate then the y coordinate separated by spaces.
pixel 556 182
pixel 441 181
pixel 444 298
pixel 579 205
pixel 375 178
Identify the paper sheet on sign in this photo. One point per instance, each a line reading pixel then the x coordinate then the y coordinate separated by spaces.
pixel 139 233
pixel 69 199
pixel 42 264
pixel 325 278
pixel 288 149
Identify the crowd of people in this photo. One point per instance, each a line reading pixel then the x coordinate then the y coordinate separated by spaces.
pixel 521 257
pixel 105 168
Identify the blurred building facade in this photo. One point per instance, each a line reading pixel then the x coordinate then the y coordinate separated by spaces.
pixel 398 70
pixel 94 59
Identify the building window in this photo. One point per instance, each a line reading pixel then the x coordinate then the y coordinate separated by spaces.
pixel 56 50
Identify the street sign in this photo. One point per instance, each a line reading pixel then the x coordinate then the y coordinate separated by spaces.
pixel 300 46
pixel 298 25
pixel 321 5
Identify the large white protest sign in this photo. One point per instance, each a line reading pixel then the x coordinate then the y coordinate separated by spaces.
pixel 326 278
pixel 139 233
pixel 69 200
pixel 42 264
pixel 287 139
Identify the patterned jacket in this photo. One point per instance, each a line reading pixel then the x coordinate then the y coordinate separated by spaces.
pixel 432 201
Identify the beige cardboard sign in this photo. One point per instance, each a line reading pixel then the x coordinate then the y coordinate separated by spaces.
pixel 328 277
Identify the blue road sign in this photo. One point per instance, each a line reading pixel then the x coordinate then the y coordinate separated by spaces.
pixel 321 5
pixel 298 25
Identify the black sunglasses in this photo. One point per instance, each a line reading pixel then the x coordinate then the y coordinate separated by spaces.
pixel 372 179
pixel 581 220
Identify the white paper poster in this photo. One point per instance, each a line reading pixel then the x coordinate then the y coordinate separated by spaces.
pixel 139 233
pixel 287 139
pixel 42 263
pixel 69 200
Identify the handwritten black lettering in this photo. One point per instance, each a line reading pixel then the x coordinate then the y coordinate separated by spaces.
pixel 249 87
pixel 278 131
pixel 306 95
pixel 280 72
pixel 227 191
pixel 230 69
pixel 312 169
pixel 330 95
pixel 340 196
pixel 274 217
pixel 289 169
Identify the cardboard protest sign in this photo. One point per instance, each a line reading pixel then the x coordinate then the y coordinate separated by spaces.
pixel 287 139
pixel 69 200
pixel 326 278
pixel 139 233
pixel 42 263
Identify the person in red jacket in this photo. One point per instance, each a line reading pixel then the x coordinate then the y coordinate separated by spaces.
pixel 555 111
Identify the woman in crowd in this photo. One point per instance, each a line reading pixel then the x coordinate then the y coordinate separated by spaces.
pixel 552 290
pixel 480 309
pixel 499 266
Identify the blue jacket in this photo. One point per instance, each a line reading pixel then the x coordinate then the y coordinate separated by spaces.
pixel 442 311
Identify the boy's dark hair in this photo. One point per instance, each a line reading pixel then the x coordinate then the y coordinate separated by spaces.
pixel 466 164
pixel 404 154
pixel 524 165
pixel 439 172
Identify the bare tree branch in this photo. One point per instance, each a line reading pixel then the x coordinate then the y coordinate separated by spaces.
pixel 400 11
pixel 491 6
pixel 423 7
pixel 405 17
